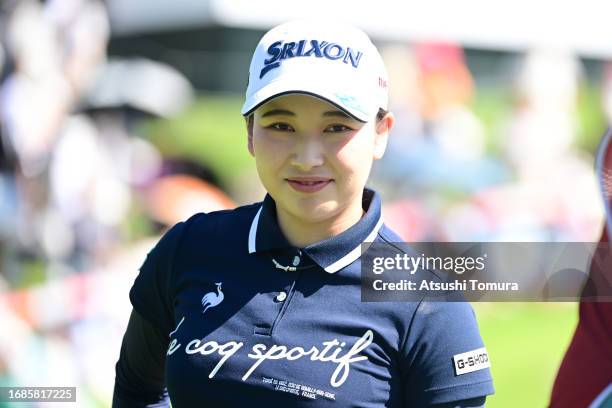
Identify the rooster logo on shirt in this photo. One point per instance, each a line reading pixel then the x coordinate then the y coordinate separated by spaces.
pixel 212 299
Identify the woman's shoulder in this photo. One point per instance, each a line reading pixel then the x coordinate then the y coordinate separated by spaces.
pixel 392 245
pixel 388 235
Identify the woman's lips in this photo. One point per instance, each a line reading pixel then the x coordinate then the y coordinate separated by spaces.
pixel 308 185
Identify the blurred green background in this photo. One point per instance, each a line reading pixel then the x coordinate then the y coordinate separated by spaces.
pixel 526 342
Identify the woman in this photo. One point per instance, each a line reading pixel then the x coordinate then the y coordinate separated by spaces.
pixel 261 304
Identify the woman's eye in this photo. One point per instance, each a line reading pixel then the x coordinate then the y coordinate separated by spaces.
pixel 283 127
pixel 338 128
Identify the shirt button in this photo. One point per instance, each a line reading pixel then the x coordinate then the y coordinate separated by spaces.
pixel 296 260
pixel 280 297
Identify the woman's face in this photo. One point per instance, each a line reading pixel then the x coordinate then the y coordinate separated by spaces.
pixel 311 157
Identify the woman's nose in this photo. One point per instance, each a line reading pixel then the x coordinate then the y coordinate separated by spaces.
pixel 308 154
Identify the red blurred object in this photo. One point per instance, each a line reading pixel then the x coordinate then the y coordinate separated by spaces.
pixel 586 369
pixel 433 56
pixel 408 220
pixel 445 79
pixel 175 198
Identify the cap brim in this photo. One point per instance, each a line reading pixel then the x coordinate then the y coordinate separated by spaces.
pixel 278 88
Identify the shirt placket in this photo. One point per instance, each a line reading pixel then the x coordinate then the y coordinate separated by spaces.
pixel 285 294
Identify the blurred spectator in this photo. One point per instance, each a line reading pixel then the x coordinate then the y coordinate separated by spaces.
pixel 439 143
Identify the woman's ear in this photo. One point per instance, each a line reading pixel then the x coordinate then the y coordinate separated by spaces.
pixel 249 126
pixel 383 127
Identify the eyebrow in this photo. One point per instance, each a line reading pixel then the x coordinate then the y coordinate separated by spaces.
pixel 278 112
pixel 284 112
pixel 337 113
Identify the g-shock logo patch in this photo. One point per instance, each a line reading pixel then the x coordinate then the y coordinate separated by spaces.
pixel 471 361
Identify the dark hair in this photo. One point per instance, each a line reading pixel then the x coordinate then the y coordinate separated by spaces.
pixel 381 114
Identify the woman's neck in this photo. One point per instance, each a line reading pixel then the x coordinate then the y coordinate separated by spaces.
pixel 301 234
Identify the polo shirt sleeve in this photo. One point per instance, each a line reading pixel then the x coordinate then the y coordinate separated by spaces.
pixel 439 331
pixel 139 372
pixel 151 294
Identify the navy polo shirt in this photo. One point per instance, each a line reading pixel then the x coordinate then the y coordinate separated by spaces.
pixel 247 329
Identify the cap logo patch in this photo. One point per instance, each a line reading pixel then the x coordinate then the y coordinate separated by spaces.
pixel 280 51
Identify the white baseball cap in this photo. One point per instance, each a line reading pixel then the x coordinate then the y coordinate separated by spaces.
pixel 329 60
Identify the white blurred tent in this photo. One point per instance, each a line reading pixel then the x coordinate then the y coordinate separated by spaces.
pixel 139 83
pixel 580 27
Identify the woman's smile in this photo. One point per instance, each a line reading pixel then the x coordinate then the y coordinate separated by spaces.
pixel 308 184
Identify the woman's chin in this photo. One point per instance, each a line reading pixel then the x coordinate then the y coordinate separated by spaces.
pixel 314 211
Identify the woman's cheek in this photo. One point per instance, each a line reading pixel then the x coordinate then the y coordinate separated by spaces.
pixel 273 145
pixel 264 148
pixel 350 156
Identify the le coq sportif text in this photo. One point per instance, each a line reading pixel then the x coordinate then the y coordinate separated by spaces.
pixel 330 351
